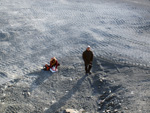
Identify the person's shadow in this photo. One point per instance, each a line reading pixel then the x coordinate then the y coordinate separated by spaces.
pixel 40 76
pixel 53 108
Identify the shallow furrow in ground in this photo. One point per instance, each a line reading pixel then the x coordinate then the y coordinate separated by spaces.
pixel 118 34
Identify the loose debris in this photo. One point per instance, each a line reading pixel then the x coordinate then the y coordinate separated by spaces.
pixel 108 101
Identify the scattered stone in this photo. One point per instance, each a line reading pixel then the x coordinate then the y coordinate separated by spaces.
pixel 115 111
pixel 109 91
pixel 99 108
pixel 107 98
pixel 26 93
pixel 10 85
pixel 100 102
pixel 73 111
pixel 81 111
pixel 3 99
pixel 107 111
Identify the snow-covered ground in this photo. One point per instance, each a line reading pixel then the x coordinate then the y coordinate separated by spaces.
pixel 33 31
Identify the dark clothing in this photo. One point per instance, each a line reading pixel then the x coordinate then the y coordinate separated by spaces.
pixel 88 67
pixel 88 58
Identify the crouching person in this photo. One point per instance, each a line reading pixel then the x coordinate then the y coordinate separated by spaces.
pixel 53 65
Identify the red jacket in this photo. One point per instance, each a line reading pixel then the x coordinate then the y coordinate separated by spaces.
pixel 56 64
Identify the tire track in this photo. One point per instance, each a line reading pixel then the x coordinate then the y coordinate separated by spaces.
pixel 123 44
pixel 38 10
pixel 33 54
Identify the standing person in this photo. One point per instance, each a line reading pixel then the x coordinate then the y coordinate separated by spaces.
pixel 88 59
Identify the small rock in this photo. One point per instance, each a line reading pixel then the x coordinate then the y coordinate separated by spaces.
pixel 74 111
pixel 4 94
pixel 140 110
pixel 115 110
pixel 126 108
pixel 99 108
pixel 10 85
pixel 108 111
pixel 5 87
pixel 101 80
pixel 81 111
pixel 109 91
pixel 100 101
pixel 28 93
pixel 132 92
pixel 71 111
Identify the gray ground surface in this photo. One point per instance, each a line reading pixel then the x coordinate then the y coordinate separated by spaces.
pixel 31 32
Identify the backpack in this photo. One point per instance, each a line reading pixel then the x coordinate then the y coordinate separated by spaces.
pixel 46 67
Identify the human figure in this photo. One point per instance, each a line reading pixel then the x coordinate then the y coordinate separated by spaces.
pixel 54 62
pixel 53 65
pixel 88 59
